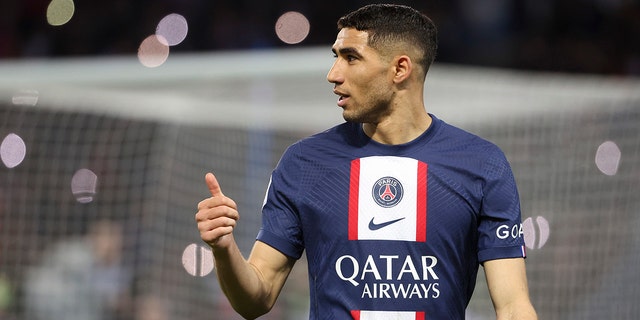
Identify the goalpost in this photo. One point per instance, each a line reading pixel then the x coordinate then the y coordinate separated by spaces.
pixel 86 140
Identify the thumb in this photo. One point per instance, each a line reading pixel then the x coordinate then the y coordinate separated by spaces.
pixel 214 186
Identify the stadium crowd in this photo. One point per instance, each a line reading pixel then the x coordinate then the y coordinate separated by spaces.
pixel 586 36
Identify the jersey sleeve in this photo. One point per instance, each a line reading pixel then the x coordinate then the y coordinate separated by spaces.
pixel 500 227
pixel 281 228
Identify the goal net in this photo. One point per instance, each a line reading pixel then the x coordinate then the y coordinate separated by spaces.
pixel 103 164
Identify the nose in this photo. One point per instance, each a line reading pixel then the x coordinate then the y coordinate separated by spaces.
pixel 335 76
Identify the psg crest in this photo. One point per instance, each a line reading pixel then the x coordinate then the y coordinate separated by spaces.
pixel 387 192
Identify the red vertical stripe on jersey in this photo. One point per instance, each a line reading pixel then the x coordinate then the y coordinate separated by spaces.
pixel 421 211
pixel 420 315
pixel 354 189
pixel 355 314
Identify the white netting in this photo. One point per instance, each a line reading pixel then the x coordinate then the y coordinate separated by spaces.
pixel 88 141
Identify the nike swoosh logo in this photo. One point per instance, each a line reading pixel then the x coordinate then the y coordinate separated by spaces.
pixel 375 226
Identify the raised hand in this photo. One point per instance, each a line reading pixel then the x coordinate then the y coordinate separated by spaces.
pixel 217 216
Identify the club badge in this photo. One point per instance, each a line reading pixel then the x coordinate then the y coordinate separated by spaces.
pixel 387 192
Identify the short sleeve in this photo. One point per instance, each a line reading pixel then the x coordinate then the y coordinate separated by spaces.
pixel 500 227
pixel 281 228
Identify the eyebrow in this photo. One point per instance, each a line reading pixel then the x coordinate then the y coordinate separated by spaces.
pixel 346 50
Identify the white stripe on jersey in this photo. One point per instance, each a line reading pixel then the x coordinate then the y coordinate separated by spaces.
pixel 399 212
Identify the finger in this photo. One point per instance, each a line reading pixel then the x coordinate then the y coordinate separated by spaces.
pixel 213 236
pixel 213 202
pixel 211 225
pixel 216 212
pixel 213 230
pixel 214 186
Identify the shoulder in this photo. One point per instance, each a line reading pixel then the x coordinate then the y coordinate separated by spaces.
pixel 457 139
pixel 331 142
pixel 460 148
pixel 323 149
pixel 339 135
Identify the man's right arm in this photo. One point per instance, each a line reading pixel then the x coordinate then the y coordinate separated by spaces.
pixel 252 286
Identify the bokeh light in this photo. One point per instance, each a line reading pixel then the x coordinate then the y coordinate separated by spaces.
pixel 608 158
pixel 197 260
pixel 292 27
pixel 12 150
pixel 25 98
pixel 153 51
pixel 536 234
pixel 173 28
pixel 60 12
pixel 83 185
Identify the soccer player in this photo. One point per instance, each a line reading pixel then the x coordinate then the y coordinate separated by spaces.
pixel 395 208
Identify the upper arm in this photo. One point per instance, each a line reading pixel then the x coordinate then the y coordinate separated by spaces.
pixel 273 268
pixel 507 282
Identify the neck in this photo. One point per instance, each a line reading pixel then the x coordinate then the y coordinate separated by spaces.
pixel 399 130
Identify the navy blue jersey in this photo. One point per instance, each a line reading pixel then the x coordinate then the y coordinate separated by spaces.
pixel 393 231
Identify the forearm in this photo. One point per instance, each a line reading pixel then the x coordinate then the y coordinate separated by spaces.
pixel 241 282
pixel 524 312
pixel 507 282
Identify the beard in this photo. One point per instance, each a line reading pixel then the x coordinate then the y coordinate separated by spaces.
pixel 373 111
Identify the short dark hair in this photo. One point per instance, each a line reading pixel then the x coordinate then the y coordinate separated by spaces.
pixel 392 23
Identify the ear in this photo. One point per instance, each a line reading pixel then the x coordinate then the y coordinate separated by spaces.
pixel 403 68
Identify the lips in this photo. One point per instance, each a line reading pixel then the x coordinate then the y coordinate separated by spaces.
pixel 342 98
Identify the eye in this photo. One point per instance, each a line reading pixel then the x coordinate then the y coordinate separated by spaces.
pixel 351 58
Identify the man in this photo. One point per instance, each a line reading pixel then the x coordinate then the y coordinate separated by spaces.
pixel 395 208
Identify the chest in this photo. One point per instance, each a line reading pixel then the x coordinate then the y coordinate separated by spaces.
pixel 390 198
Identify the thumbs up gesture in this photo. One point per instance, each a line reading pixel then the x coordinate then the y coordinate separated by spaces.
pixel 217 216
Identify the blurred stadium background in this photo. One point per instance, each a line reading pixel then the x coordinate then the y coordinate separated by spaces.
pixel 110 118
